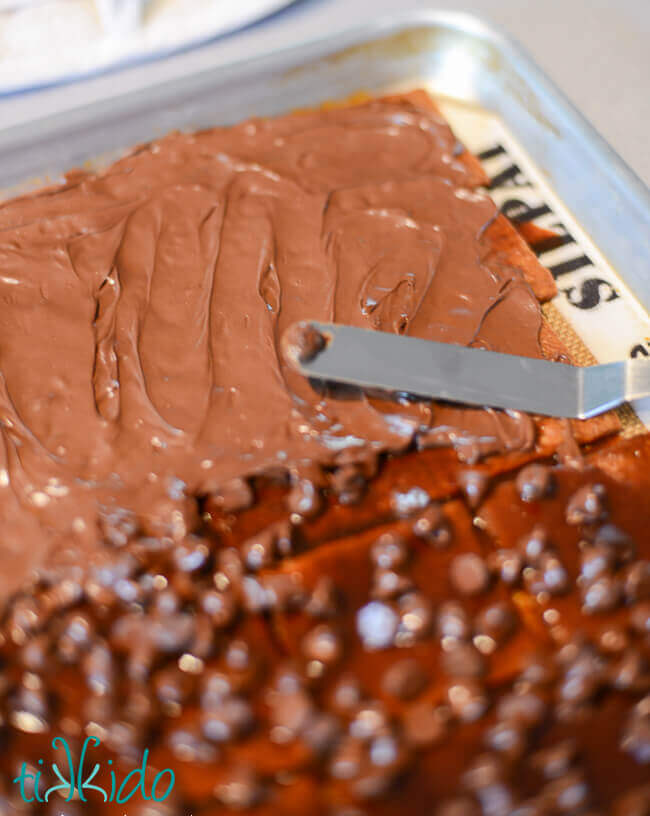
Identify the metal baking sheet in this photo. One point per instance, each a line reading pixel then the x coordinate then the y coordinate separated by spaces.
pixel 547 164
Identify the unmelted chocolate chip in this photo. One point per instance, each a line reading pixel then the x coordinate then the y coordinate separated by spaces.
pixel 594 562
pixel 640 617
pixel 377 625
pixel 453 621
pixel 527 708
pixel 467 699
pixel 601 595
pixel 221 607
pixel 387 584
pixel 587 505
pixel 507 564
pixel 635 740
pixel 416 618
pixel 463 660
pixel 228 719
pixel 507 737
pixel 474 484
pixel 432 526
pixel 615 539
pixel 231 497
pixel 239 788
pixel 406 502
pixel 483 771
pixel 404 679
pixel 631 672
pixel 322 643
pixel 549 576
pixel 568 794
pixel 497 622
pixel 192 555
pixel 469 574
pixel 304 498
pixel 389 551
pixel 533 545
pixel 259 552
pixel 534 482
pixel 370 721
pixel 555 761
pixel 347 694
pixel 637 582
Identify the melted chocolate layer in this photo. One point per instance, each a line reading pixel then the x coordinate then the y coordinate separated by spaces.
pixel 142 311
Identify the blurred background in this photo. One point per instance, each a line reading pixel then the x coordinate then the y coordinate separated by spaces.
pixel 56 54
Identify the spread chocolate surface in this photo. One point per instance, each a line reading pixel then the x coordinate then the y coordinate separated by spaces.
pixel 298 600
pixel 142 312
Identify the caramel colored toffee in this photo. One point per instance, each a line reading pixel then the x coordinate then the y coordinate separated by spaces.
pixel 294 599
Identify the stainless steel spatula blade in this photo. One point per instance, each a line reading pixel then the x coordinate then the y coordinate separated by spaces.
pixel 391 362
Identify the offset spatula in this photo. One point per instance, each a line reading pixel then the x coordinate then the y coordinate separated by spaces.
pixel 374 359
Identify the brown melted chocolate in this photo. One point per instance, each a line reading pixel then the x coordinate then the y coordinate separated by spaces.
pixel 142 311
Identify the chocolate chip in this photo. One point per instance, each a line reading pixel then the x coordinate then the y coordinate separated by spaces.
pixel 507 564
pixel 467 699
pixel 533 545
pixel 587 505
pixel 615 539
pixel 497 621
pixel 637 582
pixel 348 759
pixel 239 789
pixel 259 551
pixel 640 618
pixel 594 562
pixel 404 679
pixel 432 526
pixel 463 660
pixel 387 584
pixel 507 737
pixel 482 772
pixel 602 595
pixel 229 719
pixel 636 735
pixel 416 618
pixel 474 484
pixel 569 793
pixel 469 574
pixel 221 607
pixel 453 621
pixel 377 624
pixel 526 708
pixel 631 672
pixel 370 721
pixel 389 551
pixel 347 694
pixel 555 761
pixel 192 556
pixel 534 482
pixel 322 643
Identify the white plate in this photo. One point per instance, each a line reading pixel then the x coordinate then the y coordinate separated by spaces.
pixel 44 42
